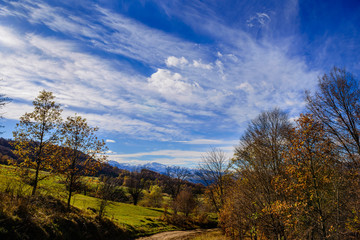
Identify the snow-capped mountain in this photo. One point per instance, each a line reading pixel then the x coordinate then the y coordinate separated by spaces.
pixel 153 166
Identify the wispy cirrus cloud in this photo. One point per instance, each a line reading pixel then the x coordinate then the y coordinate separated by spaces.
pixel 187 81
pixel 187 90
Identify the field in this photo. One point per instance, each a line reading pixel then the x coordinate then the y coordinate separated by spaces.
pixel 136 219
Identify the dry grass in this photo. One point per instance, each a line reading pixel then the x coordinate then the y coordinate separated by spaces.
pixel 215 235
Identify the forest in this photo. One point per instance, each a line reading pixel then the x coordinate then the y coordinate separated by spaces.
pixel 288 178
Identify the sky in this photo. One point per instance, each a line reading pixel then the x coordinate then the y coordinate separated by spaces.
pixel 167 80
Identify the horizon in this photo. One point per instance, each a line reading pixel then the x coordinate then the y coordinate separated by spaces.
pixel 165 81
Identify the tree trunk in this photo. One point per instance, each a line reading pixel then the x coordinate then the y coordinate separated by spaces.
pixel 70 191
pixel 36 179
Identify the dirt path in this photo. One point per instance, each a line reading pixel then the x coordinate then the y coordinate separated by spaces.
pixel 177 235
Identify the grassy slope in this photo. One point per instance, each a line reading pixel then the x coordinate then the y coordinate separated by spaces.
pixel 137 219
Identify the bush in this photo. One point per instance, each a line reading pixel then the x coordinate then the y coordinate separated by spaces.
pixel 153 198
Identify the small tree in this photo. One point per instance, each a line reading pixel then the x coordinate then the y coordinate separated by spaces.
pixel 136 184
pixel 82 152
pixel 36 135
pixel 212 172
pixel 184 202
pixel 107 192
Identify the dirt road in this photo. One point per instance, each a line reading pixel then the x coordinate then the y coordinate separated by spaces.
pixel 177 235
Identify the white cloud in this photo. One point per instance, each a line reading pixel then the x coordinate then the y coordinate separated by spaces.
pixel 246 87
pixel 174 61
pixel 199 64
pixel 173 86
pixel 110 141
pixel 9 39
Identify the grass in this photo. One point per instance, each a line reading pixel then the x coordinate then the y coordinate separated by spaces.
pixel 139 220
pixel 215 235
pixel 143 220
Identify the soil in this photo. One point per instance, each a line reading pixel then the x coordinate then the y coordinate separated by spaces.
pixel 177 235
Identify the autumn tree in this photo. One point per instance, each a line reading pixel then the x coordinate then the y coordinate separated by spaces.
pixel 258 160
pixel 213 173
pixel 313 184
pixel 36 135
pixel 82 152
pixel 239 217
pixel 184 202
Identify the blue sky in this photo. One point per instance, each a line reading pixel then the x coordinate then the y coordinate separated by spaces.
pixel 165 80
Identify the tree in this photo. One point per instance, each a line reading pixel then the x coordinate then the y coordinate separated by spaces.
pixel 82 152
pixel 213 172
pixel 336 104
pixel 106 192
pixel 258 161
pixel 136 183
pixel 313 184
pixel 184 202
pixel 36 135
pixel 177 177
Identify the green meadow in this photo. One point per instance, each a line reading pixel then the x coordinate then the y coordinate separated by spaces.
pixel 136 219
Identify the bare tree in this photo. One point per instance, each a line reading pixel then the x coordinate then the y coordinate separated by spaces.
pixel 178 175
pixel 336 104
pixel 212 172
